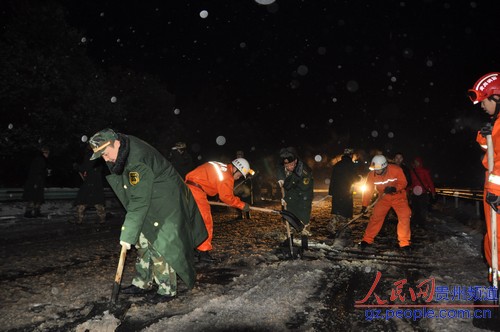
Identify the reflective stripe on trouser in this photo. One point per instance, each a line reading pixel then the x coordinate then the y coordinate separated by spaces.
pixel 202 201
pixel 487 236
pixel 399 203
pixel 151 266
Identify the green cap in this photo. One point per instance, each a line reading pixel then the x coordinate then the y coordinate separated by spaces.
pixel 100 141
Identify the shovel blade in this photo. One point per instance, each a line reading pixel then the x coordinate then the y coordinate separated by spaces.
pixel 292 220
pixel 114 293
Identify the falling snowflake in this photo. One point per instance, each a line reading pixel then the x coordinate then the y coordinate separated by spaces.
pixel 220 140
pixel 265 2
pixel 302 70
pixel 352 86
pixel 203 14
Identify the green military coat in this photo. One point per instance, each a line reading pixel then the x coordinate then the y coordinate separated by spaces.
pixel 299 192
pixel 160 206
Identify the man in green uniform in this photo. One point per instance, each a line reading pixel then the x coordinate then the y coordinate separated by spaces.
pixel 162 219
pixel 296 180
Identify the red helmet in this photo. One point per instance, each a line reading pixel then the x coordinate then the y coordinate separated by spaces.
pixel 485 87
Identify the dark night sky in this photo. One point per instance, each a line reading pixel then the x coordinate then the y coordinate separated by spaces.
pixel 318 74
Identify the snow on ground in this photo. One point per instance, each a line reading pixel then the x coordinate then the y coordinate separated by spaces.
pixel 57 276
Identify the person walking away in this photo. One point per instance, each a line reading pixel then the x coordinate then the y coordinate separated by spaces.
pixel 91 192
pixel 296 179
pixel 181 159
pixel 344 175
pixel 421 191
pixel 486 91
pixel 161 219
pixel 390 182
pixel 243 188
pixel 216 178
pixel 34 187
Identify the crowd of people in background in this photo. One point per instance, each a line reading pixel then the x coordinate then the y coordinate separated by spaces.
pixel 168 215
pixel 161 193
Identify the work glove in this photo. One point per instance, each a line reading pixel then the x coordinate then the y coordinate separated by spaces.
pixel 246 208
pixel 389 190
pixel 127 245
pixel 493 200
pixel 363 210
pixel 486 130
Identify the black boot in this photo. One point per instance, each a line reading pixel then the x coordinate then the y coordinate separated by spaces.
pixel 37 214
pixel 204 256
pixel 29 214
pixel 134 290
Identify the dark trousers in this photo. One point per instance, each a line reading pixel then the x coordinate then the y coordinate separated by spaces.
pixel 419 209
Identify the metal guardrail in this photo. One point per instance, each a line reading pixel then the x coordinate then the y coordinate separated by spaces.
pixel 474 194
pixel 16 194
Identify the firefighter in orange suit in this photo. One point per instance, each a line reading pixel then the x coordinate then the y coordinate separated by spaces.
pixel 389 180
pixel 210 179
pixel 487 92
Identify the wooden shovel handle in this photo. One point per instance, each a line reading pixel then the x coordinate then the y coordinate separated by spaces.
pixel 251 207
pixel 118 276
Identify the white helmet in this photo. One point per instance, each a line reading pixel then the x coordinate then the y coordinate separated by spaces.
pixel 243 166
pixel 378 162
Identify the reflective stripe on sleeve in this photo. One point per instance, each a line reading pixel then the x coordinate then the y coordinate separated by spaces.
pixel 495 179
pixel 217 167
pixel 384 182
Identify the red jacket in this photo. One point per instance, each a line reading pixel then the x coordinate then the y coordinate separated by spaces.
pixel 421 176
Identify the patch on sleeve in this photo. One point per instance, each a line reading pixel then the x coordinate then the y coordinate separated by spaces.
pixel 306 181
pixel 133 178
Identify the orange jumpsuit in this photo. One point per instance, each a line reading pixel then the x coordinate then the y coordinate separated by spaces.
pixel 393 176
pixel 210 179
pixel 492 185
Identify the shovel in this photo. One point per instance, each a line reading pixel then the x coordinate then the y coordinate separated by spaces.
pixel 287 215
pixel 493 220
pixel 118 276
pixel 119 311
pixel 359 215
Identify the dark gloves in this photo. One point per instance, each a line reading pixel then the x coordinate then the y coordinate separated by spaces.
pixel 363 210
pixel 246 208
pixel 389 190
pixel 486 130
pixel 493 200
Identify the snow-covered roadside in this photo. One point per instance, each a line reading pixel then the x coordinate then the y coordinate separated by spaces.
pixel 251 289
